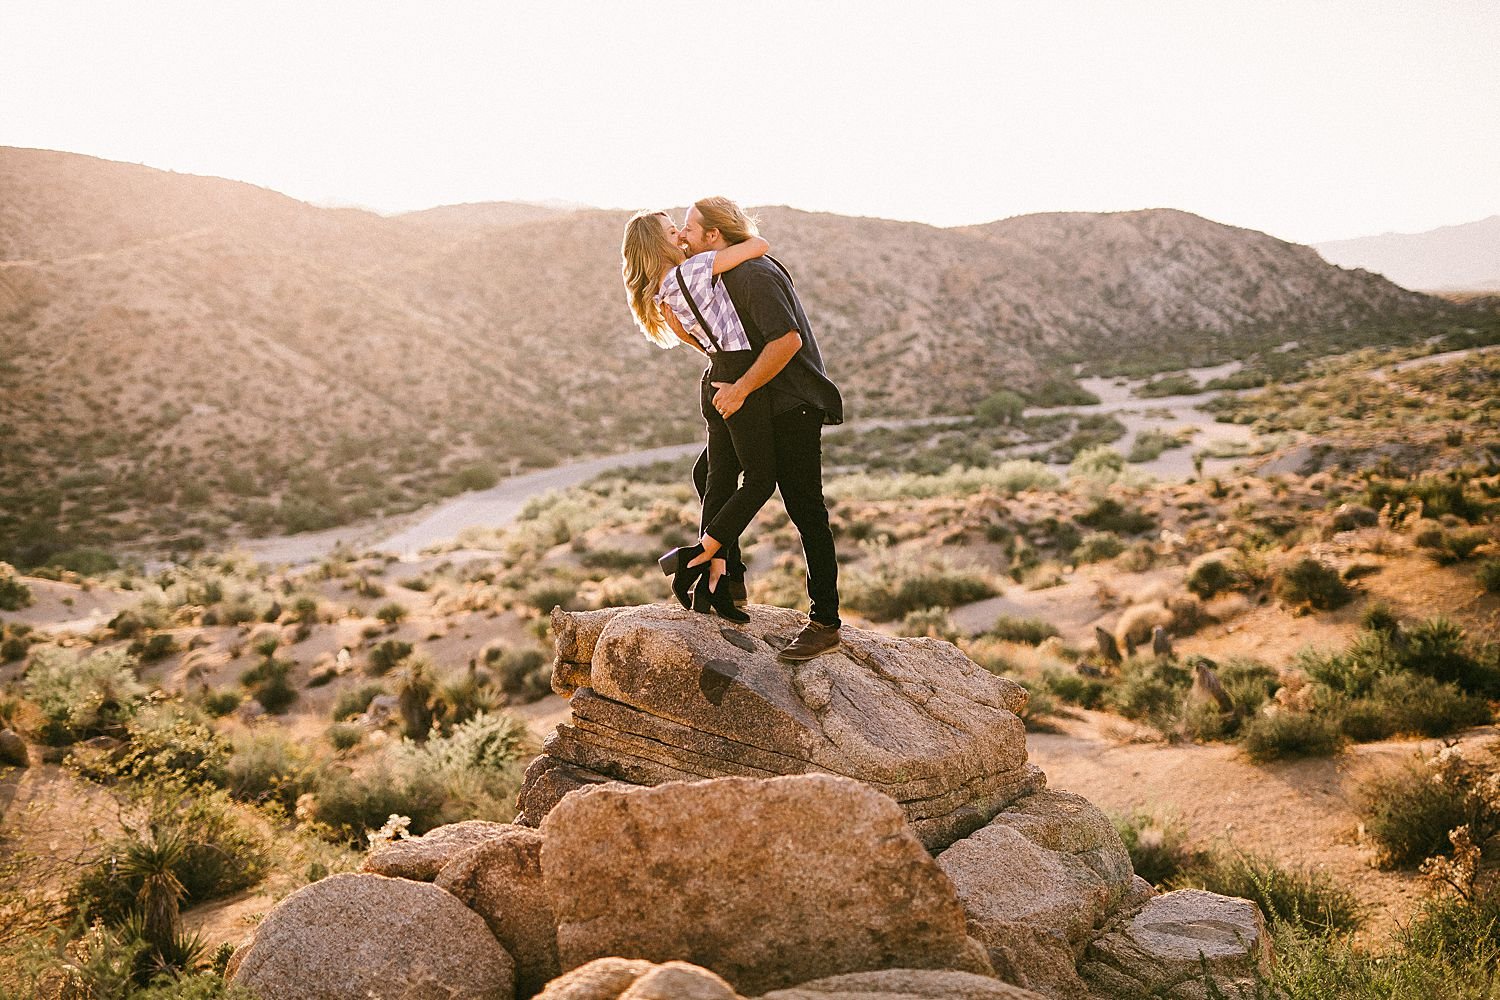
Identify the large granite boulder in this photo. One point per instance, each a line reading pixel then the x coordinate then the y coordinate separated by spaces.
pixel 421 858
pixel 1163 949
pixel 1037 882
pixel 661 694
pixel 904 984
pixel 768 882
pixel 355 936
pixel 500 878
pixel 637 979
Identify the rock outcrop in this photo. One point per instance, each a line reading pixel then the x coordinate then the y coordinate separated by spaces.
pixel 421 858
pixel 904 984
pixel 659 694
pixel 769 883
pixel 1163 949
pixel 500 878
pixel 350 937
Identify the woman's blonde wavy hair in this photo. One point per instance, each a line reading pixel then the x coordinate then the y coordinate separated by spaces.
pixel 728 218
pixel 646 255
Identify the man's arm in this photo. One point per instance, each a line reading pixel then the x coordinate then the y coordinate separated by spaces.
pixel 774 357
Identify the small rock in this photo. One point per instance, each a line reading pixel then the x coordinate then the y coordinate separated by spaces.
pixel 1161 950
pixel 421 858
pixel 636 979
pixel 355 936
pixel 13 750
pixel 904 984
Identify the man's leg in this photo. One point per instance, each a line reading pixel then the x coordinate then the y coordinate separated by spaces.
pixel 799 474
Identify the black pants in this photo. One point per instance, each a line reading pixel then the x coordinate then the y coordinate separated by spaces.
pixel 794 441
pixel 743 445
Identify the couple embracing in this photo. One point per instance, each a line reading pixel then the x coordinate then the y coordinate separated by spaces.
pixel 765 398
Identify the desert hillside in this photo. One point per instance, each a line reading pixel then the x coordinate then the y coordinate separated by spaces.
pixel 187 359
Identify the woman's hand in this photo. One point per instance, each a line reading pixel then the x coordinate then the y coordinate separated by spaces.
pixel 729 398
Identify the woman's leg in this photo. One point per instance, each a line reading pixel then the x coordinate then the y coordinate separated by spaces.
pixel 751 439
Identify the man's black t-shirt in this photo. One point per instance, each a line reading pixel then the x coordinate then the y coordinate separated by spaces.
pixel 769 309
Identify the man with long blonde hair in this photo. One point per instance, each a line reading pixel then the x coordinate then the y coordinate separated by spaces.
pixel 789 369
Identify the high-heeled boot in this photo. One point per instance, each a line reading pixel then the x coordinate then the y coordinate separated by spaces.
pixel 719 602
pixel 675 565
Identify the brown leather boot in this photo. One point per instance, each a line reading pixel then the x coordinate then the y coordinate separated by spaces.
pixel 813 640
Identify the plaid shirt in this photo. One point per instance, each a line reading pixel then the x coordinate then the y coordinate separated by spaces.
pixel 713 301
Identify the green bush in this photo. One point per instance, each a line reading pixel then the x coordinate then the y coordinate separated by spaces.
pixel 1410 704
pixel 157 646
pixel 525 674
pixel 1158 848
pixel 160 747
pixel 221 702
pixel 891 589
pixel 551 594
pixel 1211 575
pixel 999 408
pixel 1409 808
pixel 1030 631
pixel 345 735
pixel 269 683
pixel 354 701
pixel 386 656
pixel 1314 584
pixel 1448 547
pixel 267 766
pixel 1307 901
pixel 391 613
pixel 1488 575
pixel 1436 648
pixel 934 623
pixel 1097 546
pixel 14 594
pixel 1085 692
pixel 1290 734
pixel 1108 514
pixel 1151 691
pixel 79 698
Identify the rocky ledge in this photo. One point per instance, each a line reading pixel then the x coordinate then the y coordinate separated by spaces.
pixel 660 694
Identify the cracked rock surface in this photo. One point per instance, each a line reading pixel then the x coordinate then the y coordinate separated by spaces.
pixel 662 694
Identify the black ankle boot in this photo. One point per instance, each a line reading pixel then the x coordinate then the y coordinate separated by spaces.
pixel 675 565
pixel 720 601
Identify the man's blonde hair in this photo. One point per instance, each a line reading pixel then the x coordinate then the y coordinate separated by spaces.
pixel 728 218
pixel 646 256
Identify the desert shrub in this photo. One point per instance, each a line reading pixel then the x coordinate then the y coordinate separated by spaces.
pixel 1447 547
pixel 270 684
pixel 392 612
pixel 1250 684
pixel 549 594
pixel 1041 708
pixel 82 697
pixel 464 697
pixel 1212 574
pixel 157 646
pixel 267 766
pixel 613 559
pixel 415 688
pixel 1097 546
pixel 1467 927
pixel 1436 648
pixel 1138 621
pixel 224 851
pixel 354 701
pixel 1108 514
pixel 160 747
pixel 1488 575
pixel 1276 735
pixel 1158 847
pixel 1411 704
pixel 345 735
pixel 473 772
pixel 1175 384
pixel 1150 443
pixel 892 588
pixel 1151 691
pixel 1307 901
pixel 524 673
pixel 1437 496
pixel 1410 807
pixel 1031 631
pixel 1085 692
pixel 1099 462
pixel 934 623
pixel 386 656
pixel 1006 479
pixel 1314 584
pixel 14 593
pixel 219 703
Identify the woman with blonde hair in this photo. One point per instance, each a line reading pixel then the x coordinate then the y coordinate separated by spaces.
pixel 679 299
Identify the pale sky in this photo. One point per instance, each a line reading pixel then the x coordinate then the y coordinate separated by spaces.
pixel 1308 119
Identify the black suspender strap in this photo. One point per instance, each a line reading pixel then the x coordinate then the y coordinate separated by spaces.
pixel 784 271
pixel 682 285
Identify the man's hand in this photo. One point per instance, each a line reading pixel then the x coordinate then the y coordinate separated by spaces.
pixel 729 398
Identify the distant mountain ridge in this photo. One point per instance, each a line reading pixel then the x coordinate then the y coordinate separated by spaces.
pixel 189 357
pixel 1463 258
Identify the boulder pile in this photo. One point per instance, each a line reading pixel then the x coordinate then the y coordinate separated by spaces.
pixel 714 825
